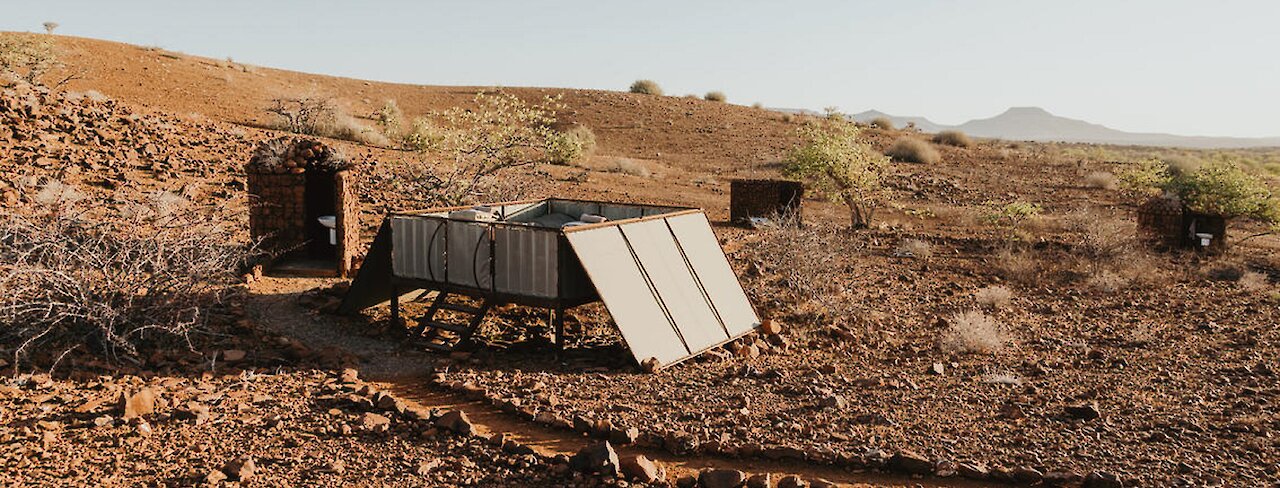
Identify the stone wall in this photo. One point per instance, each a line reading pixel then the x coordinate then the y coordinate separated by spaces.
pixel 763 198
pixel 278 214
pixel 348 214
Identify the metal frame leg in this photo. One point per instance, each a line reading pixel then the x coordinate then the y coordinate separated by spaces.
pixel 395 306
pixel 559 327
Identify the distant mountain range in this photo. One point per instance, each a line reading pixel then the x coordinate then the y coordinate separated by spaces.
pixel 1037 124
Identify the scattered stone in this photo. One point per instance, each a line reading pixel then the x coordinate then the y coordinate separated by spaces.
pixel 686 481
pixel 597 458
pixel 762 480
pixel 1102 479
pixel 792 481
pixel 833 401
pixel 349 375
pixel 650 365
pixel 215 477
pixel 195 411
pixel 456 421
pixel 1027 475
pixel 771 327
pixel 749 352
pixel 910 463
pixel 973 471
pixel 938 369
pixel 1086 411
pixel 138 404
pixel 624 435
pixel 821 483
pixel 337 466
pixel 240 469
pixel 389 403
pixel 1062 478
pixel 640 468
pixel 374 423
pixel 103 421
pixel 233 355
pixel 426 467
pixel 721 478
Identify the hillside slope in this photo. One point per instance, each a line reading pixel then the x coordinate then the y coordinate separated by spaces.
pixel 691 133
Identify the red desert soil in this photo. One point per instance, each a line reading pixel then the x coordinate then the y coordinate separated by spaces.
pixel 1164 373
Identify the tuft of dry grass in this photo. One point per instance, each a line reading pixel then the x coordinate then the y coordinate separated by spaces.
pixel 882 123
pixel 1018 266
pixel 1253 281
pixel 912 150
pixel 913 248
pixel 626 166
pixel 974 332
pixel 1108 281
pixel 715 96
pixel 646 87
pixel 993 297
pixel 1101 179
pixel 953 138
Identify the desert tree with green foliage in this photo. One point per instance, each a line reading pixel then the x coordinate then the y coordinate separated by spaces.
pixel 834 160
pixel 1217 186
pixel 1010 216
pixel 498 133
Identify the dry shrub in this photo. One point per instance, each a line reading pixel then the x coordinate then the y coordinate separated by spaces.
pixel 882 123
pixel 26 56
pixel 1101 179
pixel 799 260
pixel 1252 281
pixel 788 118
pixel 1100 238
pixel 953 138
pixel 647 87
pixel 81 272
pixel 913 248
pixel 974 332
pixel 715 96
pixel 1018 266
pixel 1108 281
pixel 993 297
pixel 316 116
pixel 626 166
pixel 912 150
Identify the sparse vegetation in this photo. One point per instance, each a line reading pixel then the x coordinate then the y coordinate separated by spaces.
pixel 953 138
pixel 882 123
pixel 49 27
pixel 1102 180
pixel 715 96
pixel 646 87
pixel 570 146
pixel 757 105
pixel 79 272
pixel 1108 281
pixel 1011 216
pixel 912 150
pixel 1218 187
pixel 390 120
pixel 836 162
pixel 914 248
pixel 1018 266
pixel 626 166
pixel 1253 281
pixel 316 116
pixel 974 332
pixel 500 133
pixel 993 297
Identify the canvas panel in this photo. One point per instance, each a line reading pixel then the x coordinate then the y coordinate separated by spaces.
pixel 676 285
pixel 699 243
pixel 618 279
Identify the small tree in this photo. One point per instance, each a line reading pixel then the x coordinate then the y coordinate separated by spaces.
pixel 1219 187
pixel 836 162
pixel 49 27
pixel 502 132
pixel 1010 216
pixel 304 115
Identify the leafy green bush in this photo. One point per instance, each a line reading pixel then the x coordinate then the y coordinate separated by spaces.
pixel 912 150
pixel 837 163
pixel 1218 187
pixel 715 96
pixel 570 146
pixel 647 87
pixel 953 138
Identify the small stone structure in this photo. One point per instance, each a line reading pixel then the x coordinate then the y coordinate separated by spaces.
pixel 1165 223
pixel 763 198
pixel 292 183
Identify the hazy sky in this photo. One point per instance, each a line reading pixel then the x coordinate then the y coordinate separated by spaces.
pixel 1187 67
